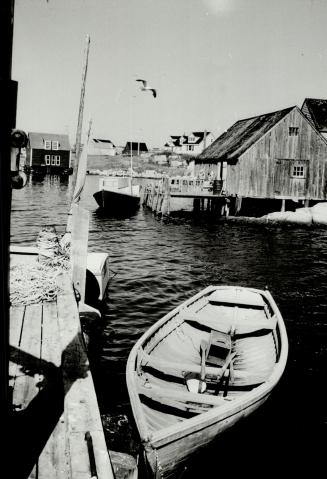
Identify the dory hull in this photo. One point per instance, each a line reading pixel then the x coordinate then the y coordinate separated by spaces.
pixel 113 201
pixel 168 446
pixel 169 459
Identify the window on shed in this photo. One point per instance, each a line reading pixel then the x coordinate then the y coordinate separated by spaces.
pixel 55 145
pixel 190 147
pixel 47 144
pixel 293 131
pixel 298 171
pixel 47 159
pixel 57 160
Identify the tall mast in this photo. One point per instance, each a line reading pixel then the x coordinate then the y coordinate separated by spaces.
pixel 81 103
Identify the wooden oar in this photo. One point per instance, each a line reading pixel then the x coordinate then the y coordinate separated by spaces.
pixel 229 358
pixel 194 383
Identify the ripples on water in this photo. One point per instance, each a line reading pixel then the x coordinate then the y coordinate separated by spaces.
pixel 156 264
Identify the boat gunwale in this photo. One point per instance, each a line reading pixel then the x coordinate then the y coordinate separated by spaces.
pixel 196 423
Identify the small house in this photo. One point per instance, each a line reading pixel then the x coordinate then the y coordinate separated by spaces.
pixel 191 144
pixel 101 147
pixel 279 155
pixel 316 111
pixel 48 153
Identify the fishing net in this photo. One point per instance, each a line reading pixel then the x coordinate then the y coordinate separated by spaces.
pixel 39 280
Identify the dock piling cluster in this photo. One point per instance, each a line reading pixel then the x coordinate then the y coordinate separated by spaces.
pixel 159 196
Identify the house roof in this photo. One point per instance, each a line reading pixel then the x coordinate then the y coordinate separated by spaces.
pixel 135 146
pixel 103 143
pixel 317 109
pixel 179 140
pixel 37 140
pixel 200 136
pixel 176 140
pixel 240 136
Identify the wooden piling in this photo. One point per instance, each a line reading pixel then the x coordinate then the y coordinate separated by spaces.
pixel 165 207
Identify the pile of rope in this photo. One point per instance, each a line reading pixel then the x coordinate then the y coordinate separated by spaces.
pixel 40 280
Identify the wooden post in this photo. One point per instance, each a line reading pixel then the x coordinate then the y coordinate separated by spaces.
pixel 158 198
pixel 238 204
pixel 80 232
pixel 196 204
pixel 165 208
pixel 282 209
pixel 8 99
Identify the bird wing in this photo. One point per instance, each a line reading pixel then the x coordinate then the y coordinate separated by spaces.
pixel 154 92
pixel 143 81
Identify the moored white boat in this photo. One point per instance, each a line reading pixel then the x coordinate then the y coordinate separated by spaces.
pixel 202 367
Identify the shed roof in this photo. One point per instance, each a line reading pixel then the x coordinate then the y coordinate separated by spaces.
pixel 138 146
pixel 318 112
pixel 37 140
pixel 242 135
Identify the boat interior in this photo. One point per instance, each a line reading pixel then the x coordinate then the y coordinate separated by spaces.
pixel 208 353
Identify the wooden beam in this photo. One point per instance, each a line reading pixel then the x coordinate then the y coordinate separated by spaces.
pixel 241 326
pixel 8 100
pixel 81 408
pixel 80 232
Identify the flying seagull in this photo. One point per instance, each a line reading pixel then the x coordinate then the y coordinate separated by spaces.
pixel 145 87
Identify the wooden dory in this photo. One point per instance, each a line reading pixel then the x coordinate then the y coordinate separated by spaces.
pixel 246 355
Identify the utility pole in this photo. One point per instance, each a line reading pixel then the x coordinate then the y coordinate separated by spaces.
pixel 8 102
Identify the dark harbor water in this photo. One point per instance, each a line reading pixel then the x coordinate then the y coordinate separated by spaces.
pixel 156 264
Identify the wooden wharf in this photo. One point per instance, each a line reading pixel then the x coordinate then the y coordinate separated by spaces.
pixel 56 429
pixel 159 195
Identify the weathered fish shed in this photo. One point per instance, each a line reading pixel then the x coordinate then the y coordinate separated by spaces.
pixel 48 152
pixel 279 155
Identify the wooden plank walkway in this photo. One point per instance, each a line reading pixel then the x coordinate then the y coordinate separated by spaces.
pixel 195 194
pixel 55 417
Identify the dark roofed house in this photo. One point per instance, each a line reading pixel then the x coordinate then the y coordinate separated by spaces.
pixel 138 148
pixel 192 144
pixel 316 111
pixel 48 153
pixel 275 155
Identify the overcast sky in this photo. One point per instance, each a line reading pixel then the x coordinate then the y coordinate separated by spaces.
pixel 212 62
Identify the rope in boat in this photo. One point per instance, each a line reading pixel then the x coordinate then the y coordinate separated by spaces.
pixel 33 282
